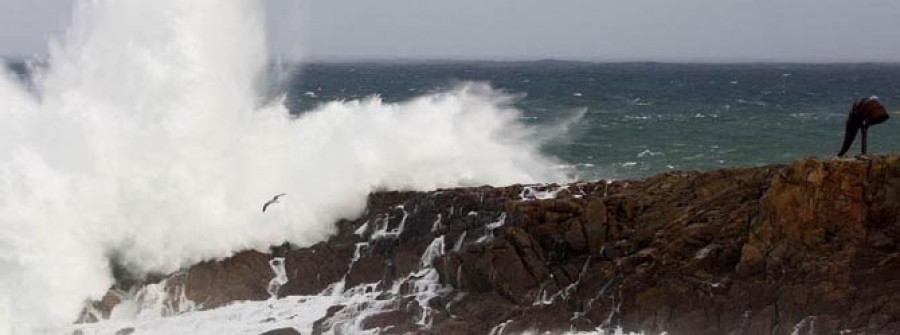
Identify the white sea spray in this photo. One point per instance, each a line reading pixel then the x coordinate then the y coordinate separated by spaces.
pixel 145 139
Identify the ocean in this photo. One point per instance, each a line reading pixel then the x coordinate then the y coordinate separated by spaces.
pixel 634 119
pixel 644 118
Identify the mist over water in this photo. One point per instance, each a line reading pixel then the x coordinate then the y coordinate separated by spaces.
pixel 146 139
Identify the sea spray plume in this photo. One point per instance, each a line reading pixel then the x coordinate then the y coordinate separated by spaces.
pixel 127 74
pixel 149 142
pixel 564 129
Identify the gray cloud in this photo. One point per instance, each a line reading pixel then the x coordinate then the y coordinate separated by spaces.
pixel 822 30
pixel 714 30
pixel 26 26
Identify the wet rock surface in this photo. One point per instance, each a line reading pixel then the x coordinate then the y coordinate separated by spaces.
pixel 806 248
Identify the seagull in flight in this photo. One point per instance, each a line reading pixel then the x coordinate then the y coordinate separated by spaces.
pixel 273 201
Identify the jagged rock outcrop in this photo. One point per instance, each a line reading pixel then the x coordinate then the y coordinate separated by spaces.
pixel 806 248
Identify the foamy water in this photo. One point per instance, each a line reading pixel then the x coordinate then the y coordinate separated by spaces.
pixel 146 140
pixel 162 308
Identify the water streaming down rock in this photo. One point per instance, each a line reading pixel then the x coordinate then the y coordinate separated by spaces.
pixel 804 248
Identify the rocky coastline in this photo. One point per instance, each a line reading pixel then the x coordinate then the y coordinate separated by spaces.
pixel 805 248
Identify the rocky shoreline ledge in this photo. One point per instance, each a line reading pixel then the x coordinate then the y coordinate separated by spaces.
pixel 805 248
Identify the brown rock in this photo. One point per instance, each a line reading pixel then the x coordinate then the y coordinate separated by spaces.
pixel 595 227
pixel 575 236
pixel 811 247
pixel 244 276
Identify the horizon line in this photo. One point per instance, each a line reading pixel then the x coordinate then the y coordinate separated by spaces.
pixel 595 60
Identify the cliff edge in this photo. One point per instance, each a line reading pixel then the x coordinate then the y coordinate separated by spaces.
pixel 805 248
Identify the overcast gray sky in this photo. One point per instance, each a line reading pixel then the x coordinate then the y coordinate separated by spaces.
pixel 662 30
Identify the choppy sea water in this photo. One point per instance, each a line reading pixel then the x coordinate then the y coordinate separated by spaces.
pixel 645 118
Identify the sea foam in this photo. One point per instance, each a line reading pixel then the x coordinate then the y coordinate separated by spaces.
pixel 145 140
